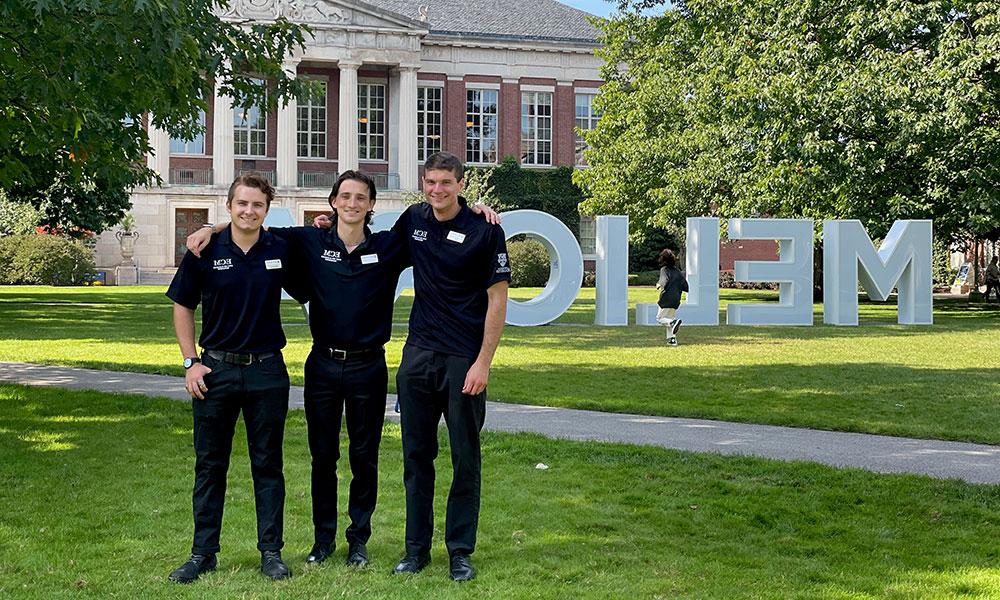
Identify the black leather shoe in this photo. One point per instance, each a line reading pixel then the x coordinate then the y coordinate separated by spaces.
pixel 357 555
pixel 272 565
pixel 412 563
pixel 195 566
pixel 461 568
pixel 319 553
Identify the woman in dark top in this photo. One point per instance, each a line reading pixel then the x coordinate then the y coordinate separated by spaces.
pixel 671 283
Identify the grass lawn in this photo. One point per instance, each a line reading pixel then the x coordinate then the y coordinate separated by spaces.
pixel 938 381
pixel 96 496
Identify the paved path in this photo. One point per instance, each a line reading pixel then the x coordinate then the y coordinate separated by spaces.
pixel 975 463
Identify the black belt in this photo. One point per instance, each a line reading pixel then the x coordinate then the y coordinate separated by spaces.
pixel 238 358
pixel 340 354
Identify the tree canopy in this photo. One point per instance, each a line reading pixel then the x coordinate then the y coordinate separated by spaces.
pixel 78 76
pixel 874 110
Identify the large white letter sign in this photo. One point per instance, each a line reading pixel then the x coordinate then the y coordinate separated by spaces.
pixel 611 305
pixel 702 306
pixel 565 272
pixel 793 271
pixel 381 222
pixel 903 261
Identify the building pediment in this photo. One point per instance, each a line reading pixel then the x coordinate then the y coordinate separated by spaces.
pixel 324 14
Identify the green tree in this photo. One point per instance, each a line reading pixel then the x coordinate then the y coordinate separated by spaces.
pixel 871 110
pixel 78 76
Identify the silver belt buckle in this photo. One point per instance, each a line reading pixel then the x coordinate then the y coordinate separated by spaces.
pixel 338 354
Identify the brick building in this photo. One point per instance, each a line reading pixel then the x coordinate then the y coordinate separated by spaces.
pixel 483 79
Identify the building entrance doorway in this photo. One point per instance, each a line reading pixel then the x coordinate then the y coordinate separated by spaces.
pixel 186 222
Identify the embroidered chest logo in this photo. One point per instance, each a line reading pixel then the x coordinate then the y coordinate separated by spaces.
pixel 222 264
pixel 331 255
pixel 502 266
pixel 420 235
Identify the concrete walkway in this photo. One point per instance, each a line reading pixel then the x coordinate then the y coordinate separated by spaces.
pixel 974 463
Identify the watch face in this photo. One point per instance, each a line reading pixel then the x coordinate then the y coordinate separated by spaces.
pixel 188 363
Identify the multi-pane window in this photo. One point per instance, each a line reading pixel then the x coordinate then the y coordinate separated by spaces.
pixel 588 235
pixel 311 122
pixel 249 131
pixel 428 121
pixel 536 128
pixel 195 146
pixel 586 119
pixel 481 126
pixel 371 121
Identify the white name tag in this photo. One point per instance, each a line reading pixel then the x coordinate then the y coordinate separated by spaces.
pixel 456 236
pixel 369 259
pixel 274 263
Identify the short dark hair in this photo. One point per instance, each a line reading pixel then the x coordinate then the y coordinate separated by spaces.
pixel 252 179
pixel 445 161
pixel 668 259
pixel 353 175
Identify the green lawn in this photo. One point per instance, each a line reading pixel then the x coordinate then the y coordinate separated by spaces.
pixel 96 496
pixel 938 381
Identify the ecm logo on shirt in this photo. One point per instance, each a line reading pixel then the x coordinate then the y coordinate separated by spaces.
pixel 420 235
pixel 331 255
pixel 222 264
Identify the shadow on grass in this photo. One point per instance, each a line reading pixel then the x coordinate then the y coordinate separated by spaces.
pixel 110 517
pixel 871 397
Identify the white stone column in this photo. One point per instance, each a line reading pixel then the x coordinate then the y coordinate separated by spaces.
pixel 288 160
pixel 222 141
pixel 347 133
pixel 392 123
pixel 159 158
pixel 407 128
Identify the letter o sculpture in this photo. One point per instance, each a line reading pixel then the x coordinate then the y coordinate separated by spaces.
pixel 565 272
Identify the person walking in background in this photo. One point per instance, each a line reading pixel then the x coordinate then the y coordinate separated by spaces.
pixel 992 280
pixel 671 283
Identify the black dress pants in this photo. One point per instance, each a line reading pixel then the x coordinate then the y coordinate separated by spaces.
pixel 430 384
pixel 359 385
pixel 260 391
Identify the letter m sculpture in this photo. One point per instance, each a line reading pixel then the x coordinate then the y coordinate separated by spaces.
pixel 903 261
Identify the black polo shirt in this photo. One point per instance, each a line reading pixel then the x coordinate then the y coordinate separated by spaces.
pixel 351 294
pixel 454 262
pixel 240 293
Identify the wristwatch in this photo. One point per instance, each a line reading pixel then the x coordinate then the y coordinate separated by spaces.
pixel 190 361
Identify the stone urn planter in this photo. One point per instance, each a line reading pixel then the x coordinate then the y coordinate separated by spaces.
pixel 127 237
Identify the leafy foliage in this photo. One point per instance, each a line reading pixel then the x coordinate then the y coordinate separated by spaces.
pixel 801 108
pixel 77 78
pixel 17 218
pixel 44 260
pixel 548 190
pixel 645 247
pixel 529 263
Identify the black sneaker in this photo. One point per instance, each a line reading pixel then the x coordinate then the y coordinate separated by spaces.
pixel 195 566
pixel 272 565
pixel 357 555
pixel 461 568
pixel 675 327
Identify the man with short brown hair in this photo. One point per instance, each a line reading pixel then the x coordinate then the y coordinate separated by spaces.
pixel 238 281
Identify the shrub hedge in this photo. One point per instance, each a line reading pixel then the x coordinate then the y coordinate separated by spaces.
pixel 529 263
pixel 44 260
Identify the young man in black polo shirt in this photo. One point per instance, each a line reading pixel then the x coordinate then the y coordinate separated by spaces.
pixel 461 274
pixel 238 281
pixel 350 274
